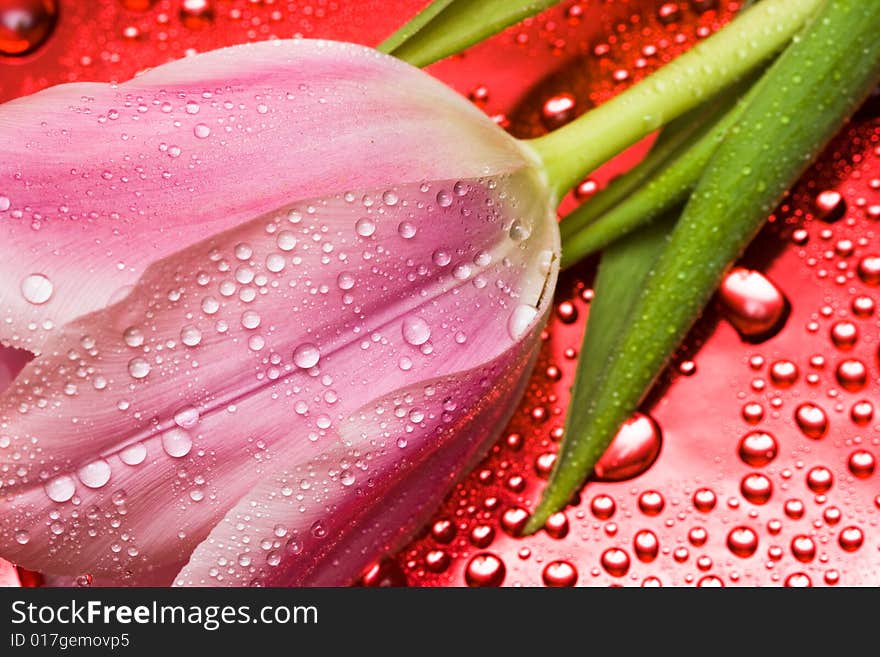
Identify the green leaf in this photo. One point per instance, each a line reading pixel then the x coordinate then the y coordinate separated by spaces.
pixel 447 27
pixel 409 30
pixel 811 90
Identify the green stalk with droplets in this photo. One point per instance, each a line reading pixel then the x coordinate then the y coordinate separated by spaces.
pixel 807 95
pixel 660 183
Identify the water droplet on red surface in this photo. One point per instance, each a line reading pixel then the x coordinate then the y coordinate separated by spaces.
pixel 758 448
pixel 820 479
pixel 850 539
pixel 852 374
pixel 832 577
pixel 615 562
pixel 710 581
pixel 756 488
pixel 25 25
pixel 481 535
pixel 513 520
pixel 567 312
pixel 651 502
pixel 443 530
pixel 485 569
pixel 869 269
pixel 586 189
pixel 830 206
pixel 783 374
pixel 557 525
pixel 558 110
pixel 811 420
pixel 794 509
pixel 798 581
pixel 861 463
pixel 652 583
pixel 646 545
pixel 863 307
pixel 384 573
pixel 559 574
pixel 437 561
pixel 698 536
pixel 704 500
pixel 803 548
pixel 668 13
pixel 832 516
pixel 752 304
pixel 844 335
pixel 752 412
pixel 862 412
pixel 633 450
pixel 742 541
pixel 544 464
pixel 196 14
pixel 603 507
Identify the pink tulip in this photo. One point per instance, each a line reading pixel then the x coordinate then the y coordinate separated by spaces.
pixel 280 295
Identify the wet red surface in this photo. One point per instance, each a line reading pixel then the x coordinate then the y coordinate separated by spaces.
pixel 765 423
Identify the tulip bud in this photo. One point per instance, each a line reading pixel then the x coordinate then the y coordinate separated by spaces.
pixel 281 296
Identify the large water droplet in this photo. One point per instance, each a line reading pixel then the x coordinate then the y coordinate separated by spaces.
pixel 176 442
pixel 415 330
pixel 520 320
pixel 133 454
pixel 752 304
pixel 633 450
pixel 36 289
pixel 306 356
pixel 60 489
pixel 138 368
pixel 94 474
pixel 26 24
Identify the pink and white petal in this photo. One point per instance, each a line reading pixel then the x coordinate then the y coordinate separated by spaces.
pixel 379 483
pixel 97 181
pixel 253 347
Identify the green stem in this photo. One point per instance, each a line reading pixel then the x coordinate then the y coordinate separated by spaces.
pixel 665 187
pixel 573 151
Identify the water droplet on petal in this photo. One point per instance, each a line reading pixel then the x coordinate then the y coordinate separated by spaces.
pixel 138 368
pixel 415 330
pixel 306 356
pixel 36 289
pixel 60 489
pixel 133 454
pixel 176 442
pixel 520 320
pixel 94 474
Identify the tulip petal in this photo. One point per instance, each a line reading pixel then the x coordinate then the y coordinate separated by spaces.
pixel 98 180
pixel 273 539
pixel 245 356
